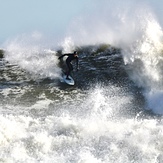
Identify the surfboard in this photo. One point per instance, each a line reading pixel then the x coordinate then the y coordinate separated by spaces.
pixel 69 82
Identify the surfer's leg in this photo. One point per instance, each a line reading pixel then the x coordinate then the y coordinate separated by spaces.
pixel 68 71
pixel 70 68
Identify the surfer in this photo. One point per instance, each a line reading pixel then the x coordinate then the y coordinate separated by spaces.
pixel 71 56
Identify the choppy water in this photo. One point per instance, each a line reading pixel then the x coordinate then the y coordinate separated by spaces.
pixel 113 114
pixel 103 118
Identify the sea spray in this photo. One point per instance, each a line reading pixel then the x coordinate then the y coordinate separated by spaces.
pixel 28 52
pixel 130 26
pixel 144 60
pixel 47 122
pixel 136 29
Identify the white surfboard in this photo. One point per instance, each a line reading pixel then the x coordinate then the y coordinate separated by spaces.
pixel 69 82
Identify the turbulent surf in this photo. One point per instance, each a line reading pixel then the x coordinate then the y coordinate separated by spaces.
pixel 113 113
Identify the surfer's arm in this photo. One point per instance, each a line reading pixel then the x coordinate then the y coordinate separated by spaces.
pixel 62 56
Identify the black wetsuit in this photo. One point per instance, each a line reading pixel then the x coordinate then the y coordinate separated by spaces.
pixel 68 61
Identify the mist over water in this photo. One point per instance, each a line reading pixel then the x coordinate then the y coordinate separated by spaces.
pixel 133 26
pixel 29 52
pixel 104 117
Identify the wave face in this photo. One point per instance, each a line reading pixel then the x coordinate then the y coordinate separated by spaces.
pixel 114 111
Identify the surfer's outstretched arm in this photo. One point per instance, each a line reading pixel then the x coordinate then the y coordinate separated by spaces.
pixel 62 56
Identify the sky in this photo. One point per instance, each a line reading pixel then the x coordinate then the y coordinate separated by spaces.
pixel 50 16
pixel 20 16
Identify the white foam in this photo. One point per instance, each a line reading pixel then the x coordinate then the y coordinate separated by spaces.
pixel 68 138
pixel 136 28
pixel 143 57
pixel 90 128
pixel 28 52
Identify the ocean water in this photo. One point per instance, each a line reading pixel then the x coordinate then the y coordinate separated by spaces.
pixel 113 113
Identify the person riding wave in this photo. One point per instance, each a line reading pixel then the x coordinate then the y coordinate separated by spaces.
pixel 71 56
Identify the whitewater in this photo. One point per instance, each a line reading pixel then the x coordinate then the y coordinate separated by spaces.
pixel 113 114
